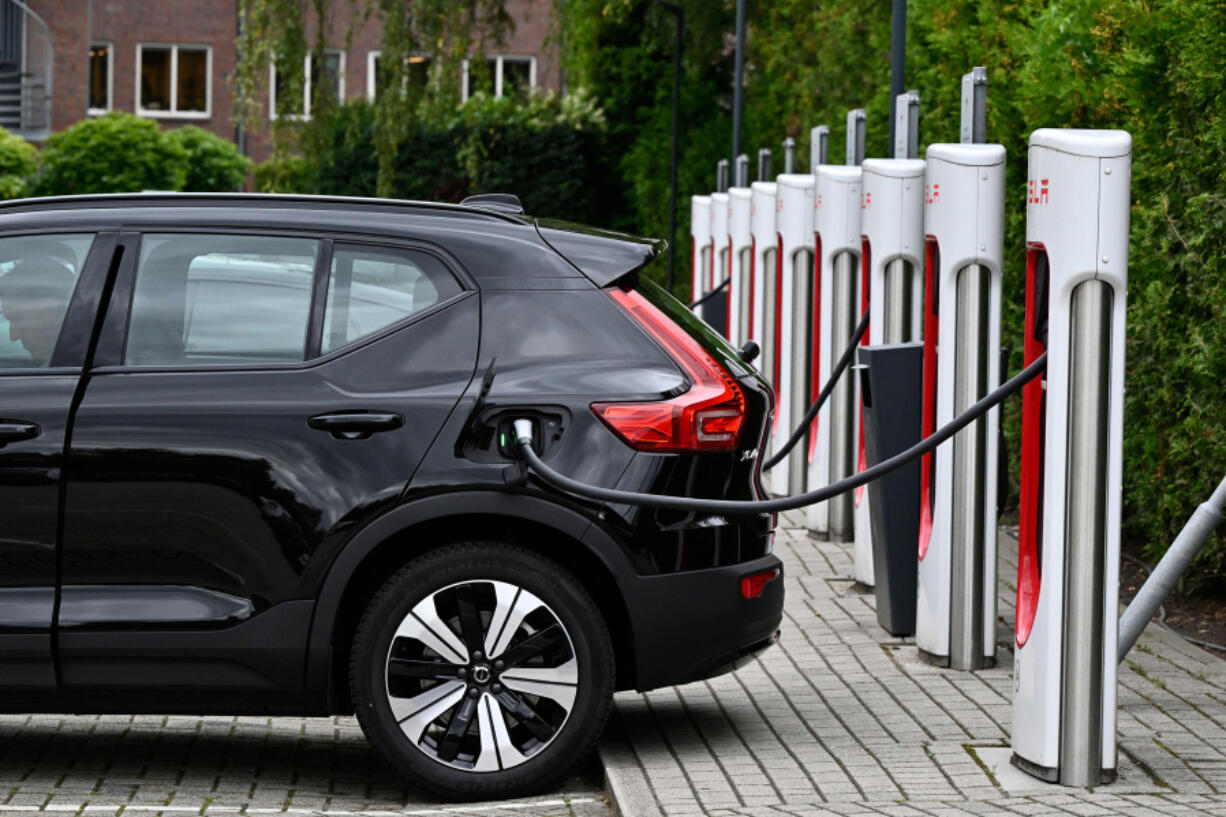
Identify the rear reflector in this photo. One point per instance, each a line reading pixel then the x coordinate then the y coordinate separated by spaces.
pixel 752 585
pixel 707 417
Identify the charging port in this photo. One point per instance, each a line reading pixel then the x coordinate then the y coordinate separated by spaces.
pixel 494 440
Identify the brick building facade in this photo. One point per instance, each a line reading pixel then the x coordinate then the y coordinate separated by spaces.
pixel 174 61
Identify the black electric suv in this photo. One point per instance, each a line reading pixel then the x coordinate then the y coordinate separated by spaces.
pixel 256 457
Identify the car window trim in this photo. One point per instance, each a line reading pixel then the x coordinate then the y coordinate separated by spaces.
pixel 114 337
pixel 319 298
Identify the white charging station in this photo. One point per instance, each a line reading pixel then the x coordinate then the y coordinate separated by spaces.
pixel 719 241
pixel 964 212
pixel 794 222
pixel 740 288
pixel 700 245
pixel 836 223
pixel 892 234
pixel 1064 672
pixel 765 329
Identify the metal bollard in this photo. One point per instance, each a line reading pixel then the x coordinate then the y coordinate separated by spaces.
pixel 1064 702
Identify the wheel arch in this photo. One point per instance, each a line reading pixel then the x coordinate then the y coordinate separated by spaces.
pixel 595 559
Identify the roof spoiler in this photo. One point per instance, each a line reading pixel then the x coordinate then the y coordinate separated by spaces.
pixel 603 256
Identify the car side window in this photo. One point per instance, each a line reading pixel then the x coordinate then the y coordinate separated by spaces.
pixel 38 274
pixel 370 288
pixel 220 299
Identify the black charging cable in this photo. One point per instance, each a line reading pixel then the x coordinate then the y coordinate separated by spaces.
pixel 523 441
pixel 839 368
pixel 712 293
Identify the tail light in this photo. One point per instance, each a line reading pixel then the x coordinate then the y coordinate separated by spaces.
pixel 707 417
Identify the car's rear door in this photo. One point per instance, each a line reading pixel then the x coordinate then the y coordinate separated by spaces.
pixel 50 288
pixel 258 398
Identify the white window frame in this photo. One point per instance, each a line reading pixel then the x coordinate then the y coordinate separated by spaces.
pixel 498 58
pixel 174 112
pixel 110 80
pixel 372 57
pixel 306 86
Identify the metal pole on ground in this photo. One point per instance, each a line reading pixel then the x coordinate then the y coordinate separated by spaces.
pixel 677 12
pixel 898 53
pixel 738 87
pixel 1173 565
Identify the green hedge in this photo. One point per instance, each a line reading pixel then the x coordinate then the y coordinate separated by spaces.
pixel 18 158
pixel 546 150
pixel 1151 68
pixel 122 153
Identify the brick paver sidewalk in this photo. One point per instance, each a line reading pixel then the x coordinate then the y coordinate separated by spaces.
pixel 178 766
pixel 842 718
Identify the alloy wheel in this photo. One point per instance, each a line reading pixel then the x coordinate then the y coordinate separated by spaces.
pixel 481 675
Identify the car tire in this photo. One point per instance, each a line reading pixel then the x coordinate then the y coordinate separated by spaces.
pixel 530 696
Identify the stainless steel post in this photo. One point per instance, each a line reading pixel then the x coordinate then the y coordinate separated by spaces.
pixel 842 398
pixel 855 137
pixel 897 310
pixel 819 147
pixel 975 106
pixel 742 170
pixel 966 622
pixel 789 154
pixel 1085 535
pixel 801 365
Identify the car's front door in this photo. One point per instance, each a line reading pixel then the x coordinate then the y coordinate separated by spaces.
pixel 44 338
pixel 264 396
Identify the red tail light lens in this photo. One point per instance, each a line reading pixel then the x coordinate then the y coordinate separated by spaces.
pixel 708 417
pixel 753 585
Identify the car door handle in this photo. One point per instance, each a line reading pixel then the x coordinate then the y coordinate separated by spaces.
pixel 12 431
pixel 355 425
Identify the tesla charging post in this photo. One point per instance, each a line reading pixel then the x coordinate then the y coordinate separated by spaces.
pixel 892 234
pixel 1064 672
pixel 764 253
pixel 794 222
pixel 836 225
pixel 740 241
pixel 713 308
pixel 964 218
pixel 700 246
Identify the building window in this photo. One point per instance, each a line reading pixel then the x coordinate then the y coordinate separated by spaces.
pixel 100 77
pixel 174 81
pixel 501 76
pixel 295 103
pixel 417 73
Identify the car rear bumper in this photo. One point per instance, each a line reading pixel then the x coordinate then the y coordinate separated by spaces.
pixel 697 624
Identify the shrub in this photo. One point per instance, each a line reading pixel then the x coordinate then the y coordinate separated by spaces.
pixel 116 153
pixel 213 164
pixel 17 163
pixel 290 174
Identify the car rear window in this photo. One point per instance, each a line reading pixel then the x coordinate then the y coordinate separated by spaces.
pixel 371 288
pixel 38 275
pixel 220 299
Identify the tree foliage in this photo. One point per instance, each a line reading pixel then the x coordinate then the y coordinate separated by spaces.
pixel 286 32
pixel 17 163
pixel 547 149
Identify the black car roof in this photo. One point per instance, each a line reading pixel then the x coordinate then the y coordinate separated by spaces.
pixel 159 198
pixel 495 246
